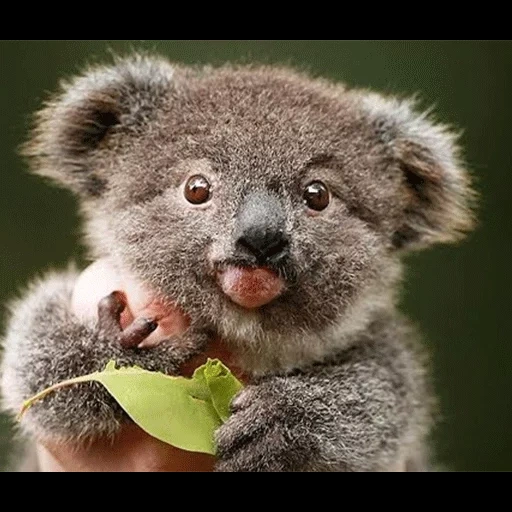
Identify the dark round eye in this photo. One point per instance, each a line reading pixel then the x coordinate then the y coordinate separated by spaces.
pixel 316 196
pixel 197 189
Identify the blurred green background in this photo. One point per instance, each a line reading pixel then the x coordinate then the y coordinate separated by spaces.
pixel 459 295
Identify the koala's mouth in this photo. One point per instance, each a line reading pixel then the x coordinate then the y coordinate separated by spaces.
pixel 250 287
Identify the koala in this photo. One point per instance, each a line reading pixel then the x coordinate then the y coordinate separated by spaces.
pixel 196 179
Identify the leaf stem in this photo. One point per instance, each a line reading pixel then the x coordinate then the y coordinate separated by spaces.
pixel 28 403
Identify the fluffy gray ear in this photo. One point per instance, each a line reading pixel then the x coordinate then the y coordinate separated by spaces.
pixel 73 126
pixel 438 198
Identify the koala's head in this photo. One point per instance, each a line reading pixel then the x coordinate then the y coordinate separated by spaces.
pixel 268 203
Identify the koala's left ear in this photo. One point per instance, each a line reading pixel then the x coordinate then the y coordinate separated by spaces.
pixel 72 127
pixel 437 195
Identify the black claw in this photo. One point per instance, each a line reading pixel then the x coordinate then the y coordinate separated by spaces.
pixel 152 325
pixel 137 332
pixel 109 312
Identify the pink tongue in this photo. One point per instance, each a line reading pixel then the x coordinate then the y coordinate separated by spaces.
pixel 250 287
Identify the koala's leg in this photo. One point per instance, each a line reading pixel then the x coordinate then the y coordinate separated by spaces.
pixel 45 344
pixel 367 411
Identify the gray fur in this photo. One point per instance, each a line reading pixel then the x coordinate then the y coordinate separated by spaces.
pixel 363 410
pixel 336 383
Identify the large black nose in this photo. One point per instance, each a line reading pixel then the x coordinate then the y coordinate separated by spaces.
pixel 260 228
pixel 266 245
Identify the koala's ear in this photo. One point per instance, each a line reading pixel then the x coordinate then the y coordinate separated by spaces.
pixel 437 195
pixel 72 127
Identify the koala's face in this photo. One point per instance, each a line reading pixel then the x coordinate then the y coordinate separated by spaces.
pixel 240 173
pixel 258 199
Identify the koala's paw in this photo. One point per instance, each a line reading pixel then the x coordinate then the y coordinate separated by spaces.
pixel 268 431
pixel 46 344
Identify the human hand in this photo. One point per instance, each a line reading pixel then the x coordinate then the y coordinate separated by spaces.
pixel 132 450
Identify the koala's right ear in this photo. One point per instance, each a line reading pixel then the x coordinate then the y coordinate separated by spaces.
pixel 72 126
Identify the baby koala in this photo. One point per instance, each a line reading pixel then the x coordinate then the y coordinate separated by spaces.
pixel 272 209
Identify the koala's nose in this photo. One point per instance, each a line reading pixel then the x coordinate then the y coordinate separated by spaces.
pixel 260 229
pixel 266 245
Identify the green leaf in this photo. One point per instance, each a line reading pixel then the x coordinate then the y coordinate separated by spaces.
pixel 179 411
pixel 221 384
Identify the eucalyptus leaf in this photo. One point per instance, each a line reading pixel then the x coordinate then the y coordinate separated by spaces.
pixel 179 411
pixel 221 384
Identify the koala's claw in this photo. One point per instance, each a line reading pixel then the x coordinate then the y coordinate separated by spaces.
pixel 109 313
pixel 109 321
pixel 137 332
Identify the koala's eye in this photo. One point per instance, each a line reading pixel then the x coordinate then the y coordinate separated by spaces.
pixel 197 189
pixel 316 196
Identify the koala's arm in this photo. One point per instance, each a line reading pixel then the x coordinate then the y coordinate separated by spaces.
pixel 366 411
pixel 45 344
